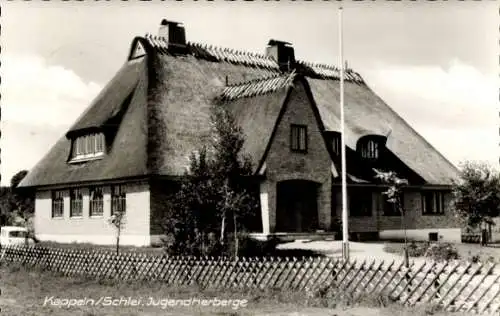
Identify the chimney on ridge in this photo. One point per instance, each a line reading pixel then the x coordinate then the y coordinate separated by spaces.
pixel 174 34
pixel 282 53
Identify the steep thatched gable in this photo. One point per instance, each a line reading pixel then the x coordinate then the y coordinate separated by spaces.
pixel 126 154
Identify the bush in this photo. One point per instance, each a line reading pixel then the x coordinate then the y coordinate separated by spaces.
pixel 417 249
pixel 393 248
pixel 442 252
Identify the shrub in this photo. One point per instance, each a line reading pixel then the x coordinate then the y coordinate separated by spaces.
pixel 393 248
pixel 417 249
pixel 442 252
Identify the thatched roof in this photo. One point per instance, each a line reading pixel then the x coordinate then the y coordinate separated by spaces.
pixel 257 87
pixel 368 114
pixel 127 154
pixel 156 112
pixel 108 104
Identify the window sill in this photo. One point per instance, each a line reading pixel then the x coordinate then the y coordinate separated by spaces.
pixel 76 217
pixel 96 216
pixel 85 159
pixel 57 217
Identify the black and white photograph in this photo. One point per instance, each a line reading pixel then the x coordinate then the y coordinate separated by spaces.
pixel 250 158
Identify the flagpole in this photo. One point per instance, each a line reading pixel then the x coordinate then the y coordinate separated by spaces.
pixel 345 232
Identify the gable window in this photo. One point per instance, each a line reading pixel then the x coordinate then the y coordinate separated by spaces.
pixel 360 202
pixel 96 207
pixel 389 208
pixel 75 203
pixel 88 146
pixel 298 138
pixel 57 204
pixel 432 203
pixel 370 149
pixel 118 199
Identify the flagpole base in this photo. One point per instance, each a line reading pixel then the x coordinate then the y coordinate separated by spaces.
pixel 345 250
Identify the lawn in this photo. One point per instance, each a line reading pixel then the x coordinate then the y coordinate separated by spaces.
pixel 88 246
pixel 25 291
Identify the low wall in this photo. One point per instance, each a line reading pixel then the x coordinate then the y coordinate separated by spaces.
pixel 444 234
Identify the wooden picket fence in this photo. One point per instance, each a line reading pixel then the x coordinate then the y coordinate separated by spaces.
pixel 453 286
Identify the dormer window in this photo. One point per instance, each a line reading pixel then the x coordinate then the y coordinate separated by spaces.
pixel 88 147
pixel 336 144
pixel 370 149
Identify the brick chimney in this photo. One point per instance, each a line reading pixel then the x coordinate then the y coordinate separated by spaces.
pixel 282 53
pixel 174 34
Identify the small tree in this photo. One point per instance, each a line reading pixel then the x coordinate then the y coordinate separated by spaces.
pixel 477 194
pixel 394 196
pixel 231 171
pixel 213 191
pixel 21 202
pixel 117 219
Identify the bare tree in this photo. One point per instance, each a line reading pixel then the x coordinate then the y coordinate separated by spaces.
pixel 117 219
pixel 394 196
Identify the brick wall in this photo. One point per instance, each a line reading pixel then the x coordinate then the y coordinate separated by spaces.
pixel 161 191
pixel 414 217
pixel 283 164
pixel 356 223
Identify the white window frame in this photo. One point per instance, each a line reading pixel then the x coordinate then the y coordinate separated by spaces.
pixel 118 198
pixel 370 149
pixel 72 201
pixel 57 201
pixel 93 202
pixel 87 147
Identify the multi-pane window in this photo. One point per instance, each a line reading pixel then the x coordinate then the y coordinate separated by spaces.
pixel 96 207
pixel 360 202
pixel 57 204
pixel 88 146
pixel 432 203
pixel 369 149
pixel 389 208
pixel 75 203
pixel 298 138
pixel 118 199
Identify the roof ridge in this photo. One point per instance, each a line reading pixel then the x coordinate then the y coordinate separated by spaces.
pixel 257 87
pixel 231 50
pixel 262 79
pixel 253 59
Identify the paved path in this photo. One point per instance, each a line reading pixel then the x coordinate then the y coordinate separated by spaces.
pixel 359 251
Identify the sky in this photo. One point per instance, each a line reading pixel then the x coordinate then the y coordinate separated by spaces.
pixel 435 63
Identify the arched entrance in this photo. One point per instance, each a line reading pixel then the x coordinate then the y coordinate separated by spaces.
pixel 297 206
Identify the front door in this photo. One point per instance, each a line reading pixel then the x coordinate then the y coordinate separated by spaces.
pixel 297 206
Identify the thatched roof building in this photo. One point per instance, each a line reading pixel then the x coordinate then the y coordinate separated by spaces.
pixel 155 112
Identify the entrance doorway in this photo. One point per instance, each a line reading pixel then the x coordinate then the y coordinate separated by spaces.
pixel 297 206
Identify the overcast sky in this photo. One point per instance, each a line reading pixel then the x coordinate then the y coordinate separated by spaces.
pixel 435 63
